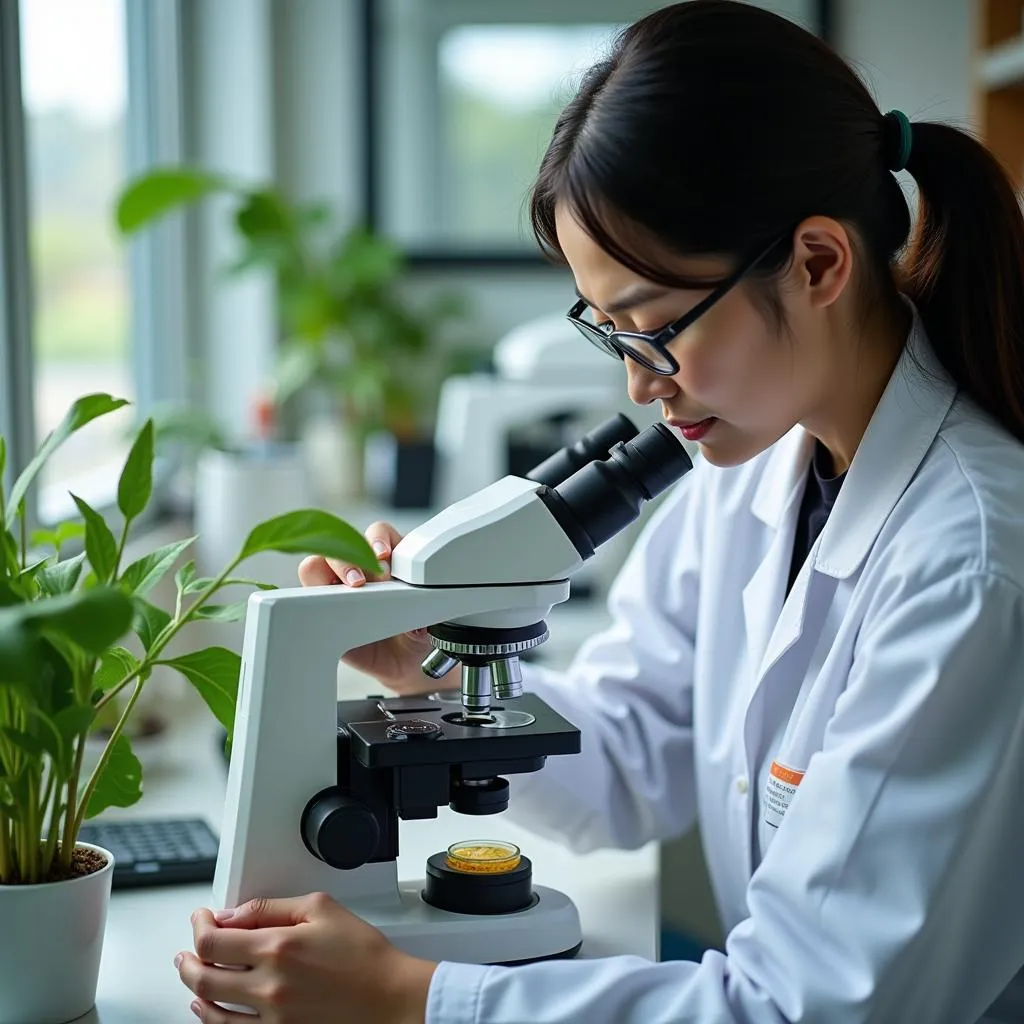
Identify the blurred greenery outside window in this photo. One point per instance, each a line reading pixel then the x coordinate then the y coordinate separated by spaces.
pixel 501 88
pixel 74 73
pixel 463 99
pixel 99 83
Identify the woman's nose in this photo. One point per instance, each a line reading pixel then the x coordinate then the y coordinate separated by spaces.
pixel 644 386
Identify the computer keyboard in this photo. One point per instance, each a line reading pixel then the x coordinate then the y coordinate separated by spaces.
pixel 156 851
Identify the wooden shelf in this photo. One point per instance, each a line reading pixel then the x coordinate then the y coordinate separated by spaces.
pixel 1002 66
pixel 999 81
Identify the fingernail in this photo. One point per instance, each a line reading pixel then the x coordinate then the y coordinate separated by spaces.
pixel 353 576
pixel 197 1008
pixel 178 959
pixel 223 915
pixel 379 547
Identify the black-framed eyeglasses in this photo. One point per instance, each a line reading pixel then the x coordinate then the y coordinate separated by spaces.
pixel 649 349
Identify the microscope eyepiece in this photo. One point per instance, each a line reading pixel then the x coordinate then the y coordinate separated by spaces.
pixel 595 445
pixel 602 498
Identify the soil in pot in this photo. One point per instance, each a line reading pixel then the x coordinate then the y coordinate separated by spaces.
pixel 83 862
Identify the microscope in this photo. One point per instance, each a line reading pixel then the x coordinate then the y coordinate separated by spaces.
pixel 317 787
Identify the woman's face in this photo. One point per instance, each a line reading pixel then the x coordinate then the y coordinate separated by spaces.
pixel 733 365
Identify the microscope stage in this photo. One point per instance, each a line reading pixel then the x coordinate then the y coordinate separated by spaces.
pixel 368 722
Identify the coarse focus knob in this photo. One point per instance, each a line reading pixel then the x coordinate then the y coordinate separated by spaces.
pixel 340 830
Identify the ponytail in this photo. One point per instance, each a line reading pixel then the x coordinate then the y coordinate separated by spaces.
pixel 964 268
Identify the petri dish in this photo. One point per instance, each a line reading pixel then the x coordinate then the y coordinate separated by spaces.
pixel 483 856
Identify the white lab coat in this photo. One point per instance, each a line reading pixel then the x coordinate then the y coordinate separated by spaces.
pixel 888 884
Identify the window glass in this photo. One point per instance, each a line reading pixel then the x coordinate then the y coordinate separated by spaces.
pixel 74 87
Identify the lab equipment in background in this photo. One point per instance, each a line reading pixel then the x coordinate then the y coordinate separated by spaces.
pixel 316 787
pixel 548 385
pixel 543 374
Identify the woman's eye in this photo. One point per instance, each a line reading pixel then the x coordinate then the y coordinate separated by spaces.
pixel 606 325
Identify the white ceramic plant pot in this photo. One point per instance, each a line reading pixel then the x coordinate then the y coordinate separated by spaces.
pixel 234 492
pixel 51 940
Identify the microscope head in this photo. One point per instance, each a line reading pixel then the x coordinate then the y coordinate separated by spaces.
pixel 528 530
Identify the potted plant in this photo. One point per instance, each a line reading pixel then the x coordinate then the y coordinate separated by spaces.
pixel 351 345
pixel 76 632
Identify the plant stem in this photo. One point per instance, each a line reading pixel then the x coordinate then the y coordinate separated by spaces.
pixel 67 848
pixel 83 806
pixel 23 530
pixel 51 839
pixel 166 636
pixel 120 549
pixel 6 866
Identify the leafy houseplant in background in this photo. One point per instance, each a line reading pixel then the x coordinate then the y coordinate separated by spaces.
pixel 350 341
pixel 64 624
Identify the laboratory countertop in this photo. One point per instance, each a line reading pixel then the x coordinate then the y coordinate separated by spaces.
pixel 616 893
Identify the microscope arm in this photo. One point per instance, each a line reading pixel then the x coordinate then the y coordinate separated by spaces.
pixel 285 737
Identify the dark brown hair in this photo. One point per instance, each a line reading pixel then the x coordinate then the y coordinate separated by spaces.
pixel 714 126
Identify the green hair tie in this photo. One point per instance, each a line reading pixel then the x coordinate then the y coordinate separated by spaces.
pixel 897 156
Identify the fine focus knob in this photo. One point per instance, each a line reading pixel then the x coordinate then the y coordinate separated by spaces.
pixel 340 830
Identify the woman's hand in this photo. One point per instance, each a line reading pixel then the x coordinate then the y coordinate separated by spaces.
pixel 395 662
pixel 304 960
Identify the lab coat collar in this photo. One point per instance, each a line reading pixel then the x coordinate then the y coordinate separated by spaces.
pixel 904 425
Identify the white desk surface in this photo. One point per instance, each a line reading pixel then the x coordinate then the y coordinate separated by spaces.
pixel 616 892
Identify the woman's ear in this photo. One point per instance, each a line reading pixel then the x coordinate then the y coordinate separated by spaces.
pixel 822 260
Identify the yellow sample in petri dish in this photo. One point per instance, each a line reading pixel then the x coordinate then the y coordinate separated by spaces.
pixel 484 856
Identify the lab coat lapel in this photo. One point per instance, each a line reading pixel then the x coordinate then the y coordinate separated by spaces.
pixel 902 429
pixel 776 503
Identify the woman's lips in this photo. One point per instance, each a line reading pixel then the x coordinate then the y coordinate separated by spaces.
pixel 695 431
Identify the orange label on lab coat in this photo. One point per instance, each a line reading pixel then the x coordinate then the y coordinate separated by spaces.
pixel 781 787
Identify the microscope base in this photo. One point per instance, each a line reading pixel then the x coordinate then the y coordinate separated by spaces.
pixel 549 929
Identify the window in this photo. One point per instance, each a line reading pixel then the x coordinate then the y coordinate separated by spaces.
pixel 91 100
pixel 461 101
pixel 75 122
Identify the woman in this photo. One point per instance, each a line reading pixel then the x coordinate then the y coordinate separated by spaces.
pixel 817 649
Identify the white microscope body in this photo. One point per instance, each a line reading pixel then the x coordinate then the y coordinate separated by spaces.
pixel 316 787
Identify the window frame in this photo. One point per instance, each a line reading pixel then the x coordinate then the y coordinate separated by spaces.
pixel 450 13
pixel 155 259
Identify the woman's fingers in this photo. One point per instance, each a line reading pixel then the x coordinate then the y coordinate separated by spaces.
pixel 315 572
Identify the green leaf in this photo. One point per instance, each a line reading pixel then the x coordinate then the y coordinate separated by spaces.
pixel 214 673
pixel 86 409
pixel 119 784
pixel 184 576
pixel 223 612
pixel 71 723
pixel 34 569
pixel 202 582
pixel 141 576
pixel 25 741
pixel 311 532
pixel 92 619
pixel 20 660
pixel 118 663
pixel 135 486
pixel 158 192
pixel 61 577
pixel 263 214
pixel 149 621
pixel 59 537
pixel 100 545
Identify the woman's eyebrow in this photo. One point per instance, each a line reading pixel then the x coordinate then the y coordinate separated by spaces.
pixel 635 295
